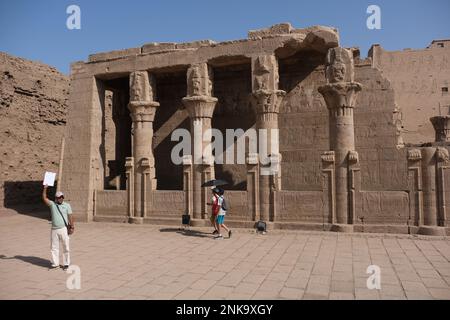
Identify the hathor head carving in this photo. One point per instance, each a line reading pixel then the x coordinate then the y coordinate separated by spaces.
pixel 199 80
pixel 340 66
pixel 140 88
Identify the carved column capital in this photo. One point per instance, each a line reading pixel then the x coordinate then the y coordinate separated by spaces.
pixel 441 126
pixel 267 101
pixel 340 95
pixel 341 90
pixel 143 111
pixel 200 106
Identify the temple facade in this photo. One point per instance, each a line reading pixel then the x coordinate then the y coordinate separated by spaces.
pixel 341 161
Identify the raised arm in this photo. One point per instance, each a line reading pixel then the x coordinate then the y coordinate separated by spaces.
pixel 44 195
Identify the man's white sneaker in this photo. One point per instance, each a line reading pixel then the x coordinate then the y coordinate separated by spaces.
pixel 218 237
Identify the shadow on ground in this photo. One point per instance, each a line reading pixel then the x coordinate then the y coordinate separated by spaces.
pixel 30 259
pixel 187 232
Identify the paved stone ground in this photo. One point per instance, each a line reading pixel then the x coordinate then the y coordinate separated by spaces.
pixel 120 261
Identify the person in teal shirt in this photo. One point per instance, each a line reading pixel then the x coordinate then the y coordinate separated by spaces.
pixel 62 223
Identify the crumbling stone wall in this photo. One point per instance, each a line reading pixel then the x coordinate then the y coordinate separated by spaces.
pixel 419 78
pixel 32 118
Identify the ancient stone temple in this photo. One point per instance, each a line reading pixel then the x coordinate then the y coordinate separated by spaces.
pixel 341 160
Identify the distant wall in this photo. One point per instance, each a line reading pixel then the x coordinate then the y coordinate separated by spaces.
pixel 418 77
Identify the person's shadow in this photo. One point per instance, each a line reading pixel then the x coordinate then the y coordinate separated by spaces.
pixel 187 232
pixel 30 259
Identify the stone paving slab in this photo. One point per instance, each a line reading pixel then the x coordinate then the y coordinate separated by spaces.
pixel 122 261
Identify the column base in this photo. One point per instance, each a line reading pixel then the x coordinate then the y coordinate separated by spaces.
pixel 345 228
pixel 136 220
pixel 432 231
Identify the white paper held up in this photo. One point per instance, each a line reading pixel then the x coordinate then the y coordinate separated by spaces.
pixel 49 179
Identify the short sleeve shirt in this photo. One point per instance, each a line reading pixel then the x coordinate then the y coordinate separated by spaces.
pixel 57 220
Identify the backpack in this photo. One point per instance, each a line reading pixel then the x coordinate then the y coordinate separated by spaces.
pixel 225 205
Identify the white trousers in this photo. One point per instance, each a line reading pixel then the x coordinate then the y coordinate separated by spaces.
pixel 56 236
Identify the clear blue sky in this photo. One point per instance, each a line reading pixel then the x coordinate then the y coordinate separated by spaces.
pixel 37 30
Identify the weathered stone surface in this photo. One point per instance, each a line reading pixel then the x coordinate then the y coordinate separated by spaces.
pixel 158 47
pixel 277 29
pixel 33 113
pixel 419 78
pixel 114 54
pixel 322 38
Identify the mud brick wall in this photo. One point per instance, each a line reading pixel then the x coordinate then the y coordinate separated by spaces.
pixel 33 113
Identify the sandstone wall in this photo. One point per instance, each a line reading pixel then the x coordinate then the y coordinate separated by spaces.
pixel 304 131
pixel 418 77
pixel 32 119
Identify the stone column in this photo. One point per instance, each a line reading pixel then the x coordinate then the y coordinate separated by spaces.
pixel 129 171
pixel 200 105
pixel 266 102
pixel 415 189
pixel 142 110
pixel 429 186
pixel 187 183
pixel 441 126
pixel 432 221
pixel 328 176
pixel 252 162
pixel 340 96
pixel 443 164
